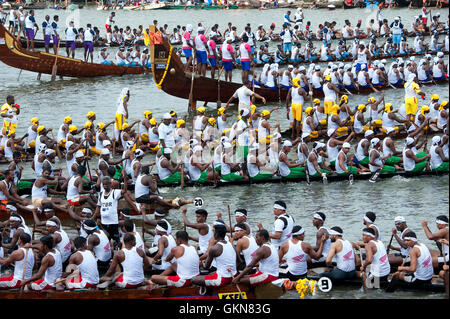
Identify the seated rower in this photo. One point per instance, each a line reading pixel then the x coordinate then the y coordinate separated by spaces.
pixel 198 172
pixel 420 271
pixel 394 75
pixel 61 241
pixel 364 79
pixel 223 255
pixel 267 258
pixel 369 221
pixel 376 257
pixel 84 260
pixel 438 70
pixel 39 190
pixel 310 125
pixel 344 160
pixel 245 243
pixel 441 234
pixel 438 160
pixel 97 242
pixel 287 168
pixel 254 165
pixel 374 112
pixel 332 146
pixel 18 258
pixel 413 161
pixel 359 124
pixel 295 252
pixel 186 266
pixel 204 230
pixel 133 261
pixel 342 250
pixel 165 243
pixel 362 150
pixel 389 118
pixel 167 172
pixel 120 57
pixel 376 161
pixel 103 57
pixel 227 167
pixel 348 80
pixel 50 269
pixel 126 226
pixel 390 154
pixel 315 163
pixel 396 259
pixel 335 124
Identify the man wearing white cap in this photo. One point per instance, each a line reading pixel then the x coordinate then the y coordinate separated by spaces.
pixel 244 95
pixel 227 167
pixel 390 154
pixel 315 163
pixel 201 51
pixel 227 55
pixel 397 30
pixel 376 160
pixel 413 161
pixel 362 150
pixel 104 162
pixel 343 159
pixel 287 168
pixel 342 250
pixel 255 166
pixel 396 259
pixel 165 132
pixel 75 189
pixel 438 161
pixel 188 45
pixel 442 236
pixel 318 221
pixel 167 172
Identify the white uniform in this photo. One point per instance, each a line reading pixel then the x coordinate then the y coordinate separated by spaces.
pixel 203 240
pixel 166 264
pixel 103 250
pixel 296 259
pixel 283 224
pixel 108 207
pixel 380 266
pixel 133 270
pixel 345 259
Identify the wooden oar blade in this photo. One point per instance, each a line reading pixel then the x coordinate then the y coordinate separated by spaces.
pixel 54 71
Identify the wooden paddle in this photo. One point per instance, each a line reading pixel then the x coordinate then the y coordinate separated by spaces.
pixel 229 218
pixel 114 139
pixel 182 175
pixel 350 175
pixel 219 102
pixel 58 151
pixel 389 246
pixel 237 285
pixel 363 273
pixel 191 95
pixel 55 67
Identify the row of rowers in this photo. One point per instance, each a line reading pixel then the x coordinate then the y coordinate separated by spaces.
pixel 363 73
pixel 176 263
pixel 252 148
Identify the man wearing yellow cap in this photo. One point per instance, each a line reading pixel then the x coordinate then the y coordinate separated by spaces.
pixel 181 134
pixel 319 114
pixel 221 119
pixel 389 120
pixel 32 132
pixel 442 120
pixel 199 121
pixel 412 92
pixel 359 124
pixel 264 128
pixel 335 123
pixel 63 131
pixel 100 137
pixel 144 126
pixel 309 129
pixel 434 108
pixel 153 136
pixel 127 134
pixel 330 91
pixel 208 134
pixel 421 120
pixel 296 99
pixel 122 110
pixel 9 114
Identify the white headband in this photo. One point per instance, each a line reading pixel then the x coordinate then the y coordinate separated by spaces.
pixel 237 228
pixel 317 216
pixel 51 223
pixel 11 207
pixel 368 234
pixel 239 214
pixel 333 232
pixel 159 214
pixel 276 206
pixel 161 229
pixel 15 219
pixel 300 231
pixel 89 227
pixel 441 222
pixel 125 215
pixel 410 238
pixel 367 219
pixel 48 210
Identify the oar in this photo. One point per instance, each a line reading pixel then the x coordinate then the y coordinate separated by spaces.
pixel 20 72
pixel 182 175
pixel 237 285
pixel 24 271
pixel 363 273
pixel 350 176
pixel 393 283
pixel 229 218
pixel 219 102
pixel 375 175
pixel 55 67
pixel 389 246
pixel 72 275
pixel 308 181
pixel 114 138
pixel 58 151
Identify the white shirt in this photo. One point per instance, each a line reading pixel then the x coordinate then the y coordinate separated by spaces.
pixel 108 207
pixel 243 94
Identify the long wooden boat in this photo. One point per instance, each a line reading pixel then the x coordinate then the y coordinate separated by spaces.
pixel 39 44
pixel 169 75
pixel 267 291
pixel 12 54
pixel 198 7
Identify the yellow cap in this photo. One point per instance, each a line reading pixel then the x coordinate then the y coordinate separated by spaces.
pixel 147 114
pixel 371 99
pixel 101 126
pixel 225 131
pixel 435 97
pixel 212 121
pixel 388 107
pixel 153 122
pixel 265 113
pixel 424 109
pixel 239 117
pixel 125 126
pixel 328 77
pixel 253 107
pixel 87 124
pixel 221 111
pixel 335 109
pixel 67 119
pixel 316 101
pixel 444 103
pixel 201 109
pixel 361 107
pixel 9 133
pixel 309 110
pixel 295 82
pixel 344 98
pixel 172 113
pixel 34 120
pixel 180 122
pixel 72 128
pixel 90 114
pixel 40 128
